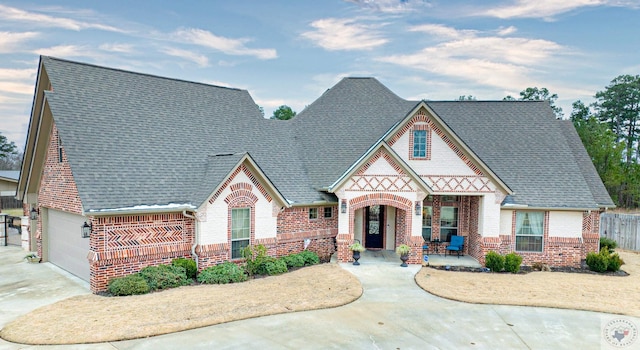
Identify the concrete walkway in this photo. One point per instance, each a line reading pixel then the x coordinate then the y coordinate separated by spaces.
pixel 393 313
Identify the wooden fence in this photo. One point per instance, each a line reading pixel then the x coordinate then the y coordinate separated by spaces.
pixel 622 228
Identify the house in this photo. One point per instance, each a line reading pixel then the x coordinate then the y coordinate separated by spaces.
pixel 8 185
pixel 162 168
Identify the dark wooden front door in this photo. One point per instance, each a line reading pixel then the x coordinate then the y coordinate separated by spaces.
pixel 374 227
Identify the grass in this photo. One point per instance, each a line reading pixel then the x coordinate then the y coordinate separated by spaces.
pixel 12 211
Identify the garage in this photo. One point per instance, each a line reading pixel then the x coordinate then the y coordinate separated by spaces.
pixel 67 248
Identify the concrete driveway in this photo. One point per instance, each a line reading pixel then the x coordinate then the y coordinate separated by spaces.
pixel 393 313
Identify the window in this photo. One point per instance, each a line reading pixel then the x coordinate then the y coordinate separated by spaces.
pixel 328 212
pixel 59 150
pixel 419 143
pixel 240 231
pixel 448 222
pixel 427 216
pixel 529 231
pixel 313 213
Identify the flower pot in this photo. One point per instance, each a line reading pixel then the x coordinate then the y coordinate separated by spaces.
pixel 404 259
pixel 356 257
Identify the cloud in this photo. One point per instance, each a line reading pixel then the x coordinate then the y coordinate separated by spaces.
pixel 33 18
pixel 549 8
pixel 16 81
pixel 335 34
pixel 63 51
pixel 441 31
pixel 115 47
pixel 9 41
pixel 391 6
pixel 199 59
pixel 501 62
pixel 228 46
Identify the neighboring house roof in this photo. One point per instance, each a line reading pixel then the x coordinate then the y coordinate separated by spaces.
pixel 9 175
pixel 134 139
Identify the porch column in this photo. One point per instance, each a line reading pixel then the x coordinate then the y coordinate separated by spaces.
pixel 489 216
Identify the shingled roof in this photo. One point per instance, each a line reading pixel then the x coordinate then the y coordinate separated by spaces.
pixel 136 139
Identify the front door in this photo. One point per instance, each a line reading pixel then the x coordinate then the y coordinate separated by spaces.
pixel 374 227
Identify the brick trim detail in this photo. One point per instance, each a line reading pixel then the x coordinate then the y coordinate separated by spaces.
pixel 250 175
pixel 421 117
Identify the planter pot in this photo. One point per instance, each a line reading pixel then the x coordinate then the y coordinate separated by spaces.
pixel 404 259
pixel 33 260
pixel 356 257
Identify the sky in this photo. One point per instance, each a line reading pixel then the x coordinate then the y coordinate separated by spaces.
pixel 290 52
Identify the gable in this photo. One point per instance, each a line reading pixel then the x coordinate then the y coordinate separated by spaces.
pixel 383 171
pixel 446 167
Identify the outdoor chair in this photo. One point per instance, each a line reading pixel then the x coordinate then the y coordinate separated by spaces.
pixel 457 245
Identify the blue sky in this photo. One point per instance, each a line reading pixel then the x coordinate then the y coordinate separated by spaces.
pixel 289 52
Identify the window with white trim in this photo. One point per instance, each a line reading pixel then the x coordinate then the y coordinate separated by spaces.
pixel 529 231
pixel 427 217
pixel 328 212
pixel 240 231
pixel 313 213
pixel 419 143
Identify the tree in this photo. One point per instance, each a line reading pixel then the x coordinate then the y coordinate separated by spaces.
pixel 467 98
pixel 7 149
pixel 603 148
pixel 535 94
pixel 619 106
pixel 283 113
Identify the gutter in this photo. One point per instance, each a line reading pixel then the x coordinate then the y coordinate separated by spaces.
pixel 196 237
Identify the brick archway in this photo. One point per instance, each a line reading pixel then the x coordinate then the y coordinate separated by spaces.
pixel 404 204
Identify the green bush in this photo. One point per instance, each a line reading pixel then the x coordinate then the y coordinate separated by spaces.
pixel 255 259
pixel 226 272
pixel 598 261
pixel 609 243
pixel 128 285
pixel 512 262
pixel 494 261
pixel 293 260
pixel 614 262
pixel 276 267
pixel 164 276
pixel 189 266
pixel 310 258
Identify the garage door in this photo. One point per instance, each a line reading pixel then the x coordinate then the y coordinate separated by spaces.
pixel 67 248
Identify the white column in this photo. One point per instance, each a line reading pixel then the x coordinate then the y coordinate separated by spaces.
pixel 24 228
pixel 489 216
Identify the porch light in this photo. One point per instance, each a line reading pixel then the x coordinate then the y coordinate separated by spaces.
pixel 418 208
pixel 86 230
pixel 34 214
pixel 343 206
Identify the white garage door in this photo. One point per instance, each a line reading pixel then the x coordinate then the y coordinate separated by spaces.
pixel 67 248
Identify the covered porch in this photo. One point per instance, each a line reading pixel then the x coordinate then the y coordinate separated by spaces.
pixel 390 257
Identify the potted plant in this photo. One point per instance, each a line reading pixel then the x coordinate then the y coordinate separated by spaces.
pixel 356 248
pixel 32 258
pixel 403 250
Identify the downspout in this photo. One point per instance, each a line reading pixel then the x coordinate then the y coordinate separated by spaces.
pixel 196 237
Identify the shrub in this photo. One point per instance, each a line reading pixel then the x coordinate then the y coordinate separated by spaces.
pixel 609 243
pixel 293 260
pixel 189 266
pixel 614 262
pixel 164 276
pixel 494 261
pixel 226 272
pixel 276 267
pixel 255 259
pixel 310 258
pixel 512 262
pixel 598 261
pixel 128 285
